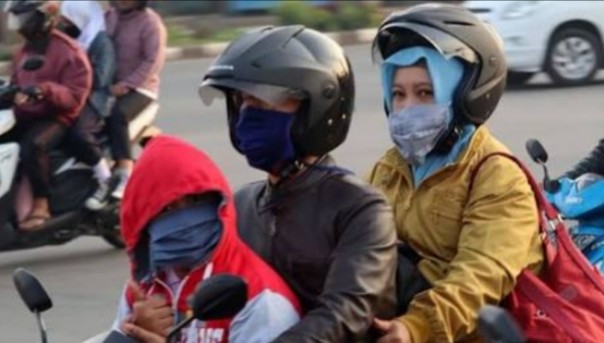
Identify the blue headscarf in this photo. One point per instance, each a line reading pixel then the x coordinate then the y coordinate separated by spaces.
pixel 445 74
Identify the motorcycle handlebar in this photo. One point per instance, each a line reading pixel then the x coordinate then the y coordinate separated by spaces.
pixel 8 93
pixel 551 186
pixel 7 96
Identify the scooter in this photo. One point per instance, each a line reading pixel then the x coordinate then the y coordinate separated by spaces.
pixel 218 297
pixel 580 200
pixel 223 296
pixel 72 183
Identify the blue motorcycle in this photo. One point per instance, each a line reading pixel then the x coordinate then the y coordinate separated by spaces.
pixel 580 200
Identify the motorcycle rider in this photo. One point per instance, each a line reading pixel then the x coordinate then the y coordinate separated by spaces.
pixel 140 39
pixel 290 97
pixel 593 163
pixel 84 21
pixel 473 225
pixel 52 95
pixel 178 223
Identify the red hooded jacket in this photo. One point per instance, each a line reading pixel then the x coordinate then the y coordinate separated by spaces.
pixel 168 170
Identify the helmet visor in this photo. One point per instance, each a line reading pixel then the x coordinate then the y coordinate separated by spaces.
pixel 448 45
pixel 17 21
pixel 212 89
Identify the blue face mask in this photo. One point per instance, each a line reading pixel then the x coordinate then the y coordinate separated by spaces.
pixel 184 237
pixel 264 138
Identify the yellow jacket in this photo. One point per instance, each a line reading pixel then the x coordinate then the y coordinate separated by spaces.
pixel 473 245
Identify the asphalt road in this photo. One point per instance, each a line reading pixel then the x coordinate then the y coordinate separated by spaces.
pixel 85 277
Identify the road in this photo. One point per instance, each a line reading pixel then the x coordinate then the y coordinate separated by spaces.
pixel 85 277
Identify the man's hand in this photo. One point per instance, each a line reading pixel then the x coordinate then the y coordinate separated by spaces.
pixel 141 335
pixel 394 331
pixel 119 90
pixel 152 314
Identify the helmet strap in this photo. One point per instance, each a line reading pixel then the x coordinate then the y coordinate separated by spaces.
pixel 290 170
pixel 296 167
pixel 448 140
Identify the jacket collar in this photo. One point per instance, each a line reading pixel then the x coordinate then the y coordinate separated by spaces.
pixel 272 195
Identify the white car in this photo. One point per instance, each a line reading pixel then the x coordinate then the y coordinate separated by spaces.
pixel 562 38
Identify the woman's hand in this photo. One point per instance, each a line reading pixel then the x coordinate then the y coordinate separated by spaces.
pixel 119 90
pixel 394 331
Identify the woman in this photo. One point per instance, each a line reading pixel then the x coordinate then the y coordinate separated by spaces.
pixel 443 74
pixel 52 98
pixel 140 39
pixel 84 21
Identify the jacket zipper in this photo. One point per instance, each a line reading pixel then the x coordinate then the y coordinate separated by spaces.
pixel 272 232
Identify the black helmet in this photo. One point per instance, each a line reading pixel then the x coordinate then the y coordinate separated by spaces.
pixel 274 63
pixel 33 16
pixel 453 31
pixel 25 6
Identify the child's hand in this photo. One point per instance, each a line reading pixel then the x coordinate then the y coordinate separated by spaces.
pixel 151 313
pixel 141 334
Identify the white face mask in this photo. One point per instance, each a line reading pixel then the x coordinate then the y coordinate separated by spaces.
pixel 416 129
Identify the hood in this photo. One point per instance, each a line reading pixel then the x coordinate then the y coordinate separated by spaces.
pixel 167 170
pixel 88 16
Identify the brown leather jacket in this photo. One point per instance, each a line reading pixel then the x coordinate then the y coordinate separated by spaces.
pixel 332 238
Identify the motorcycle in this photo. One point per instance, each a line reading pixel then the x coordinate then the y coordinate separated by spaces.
pixel 218 297
pixel 580 200
pixel 72 183
pixel 223 296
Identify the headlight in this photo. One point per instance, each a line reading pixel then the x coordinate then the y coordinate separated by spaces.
pixel 519 9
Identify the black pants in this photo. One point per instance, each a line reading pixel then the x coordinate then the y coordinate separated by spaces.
pixel 409 280
pixel 126 108
pixel 37 138
pixel 83 137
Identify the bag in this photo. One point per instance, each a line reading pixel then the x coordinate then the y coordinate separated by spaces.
pixel 565 303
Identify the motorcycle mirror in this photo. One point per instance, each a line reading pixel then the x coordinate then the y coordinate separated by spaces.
pixel 218 297
pixel 536 151
pixel 496 325
pixel 31 291
pixel 33 63
pixel 34 296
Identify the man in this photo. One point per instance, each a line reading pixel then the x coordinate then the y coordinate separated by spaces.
pixel 290 95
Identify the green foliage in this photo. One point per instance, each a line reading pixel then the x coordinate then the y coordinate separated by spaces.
pixel 341 17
